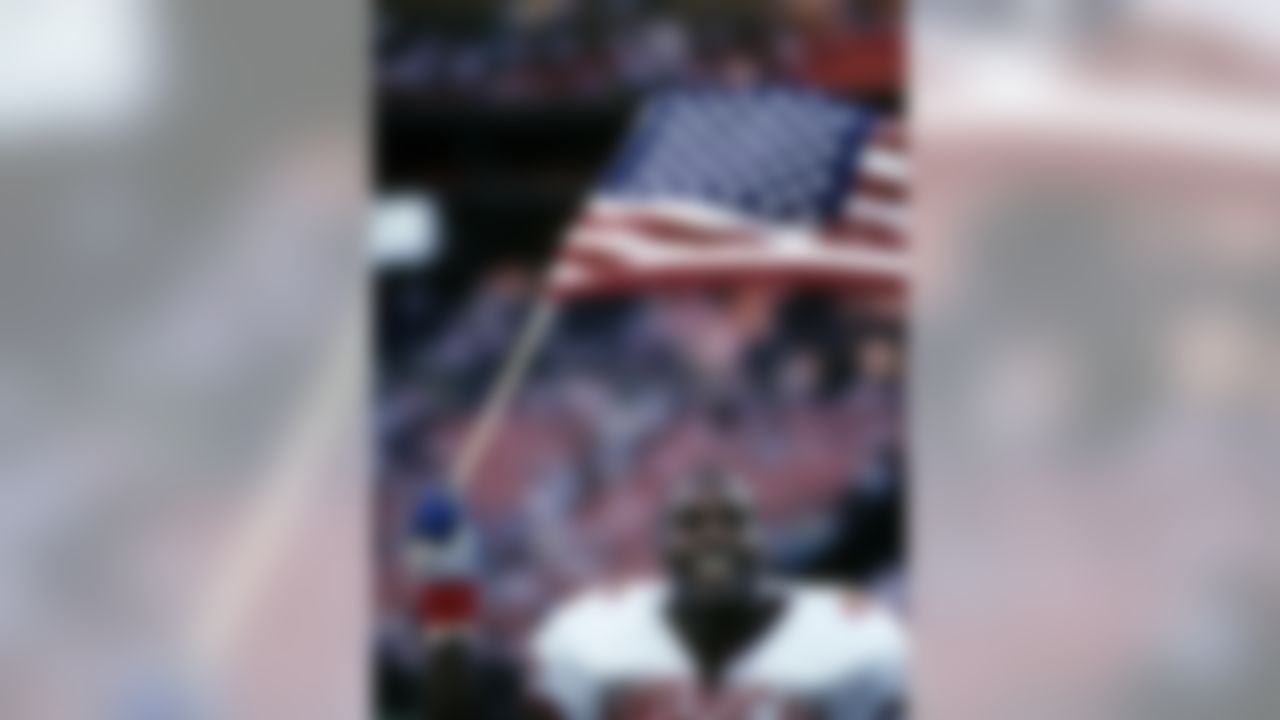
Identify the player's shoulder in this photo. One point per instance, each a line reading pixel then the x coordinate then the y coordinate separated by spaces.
pixel 840 631
pixel 841 607
pixel 598 613
pixel 849 612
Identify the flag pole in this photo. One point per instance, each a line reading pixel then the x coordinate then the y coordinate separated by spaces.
pixel 481 436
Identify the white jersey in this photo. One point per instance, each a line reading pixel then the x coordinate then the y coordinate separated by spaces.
pixel 611 655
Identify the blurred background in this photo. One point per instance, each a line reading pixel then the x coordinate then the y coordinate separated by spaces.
pixel 495 119
pixel 181 371
pixel 1094 385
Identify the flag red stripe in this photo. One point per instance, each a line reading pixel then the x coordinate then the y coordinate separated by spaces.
pixel 694 275
pixel 891 136
pixel 880 188
pixel 861 232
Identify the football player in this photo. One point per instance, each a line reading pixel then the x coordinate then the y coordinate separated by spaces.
pixel 718 638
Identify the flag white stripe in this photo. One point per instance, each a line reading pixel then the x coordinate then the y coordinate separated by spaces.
pixel 697 215
pixel 886 164
pixel 887 214
pixel 638 253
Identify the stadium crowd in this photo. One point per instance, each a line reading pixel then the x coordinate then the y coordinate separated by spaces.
pixel 539 49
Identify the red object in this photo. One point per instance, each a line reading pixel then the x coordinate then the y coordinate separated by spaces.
pixel 853 61
pixel 448 602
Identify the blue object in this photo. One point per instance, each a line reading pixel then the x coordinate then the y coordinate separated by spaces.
pixel 437 517
pixel 777 154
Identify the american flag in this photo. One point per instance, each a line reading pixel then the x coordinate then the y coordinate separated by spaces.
pixel 722 184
